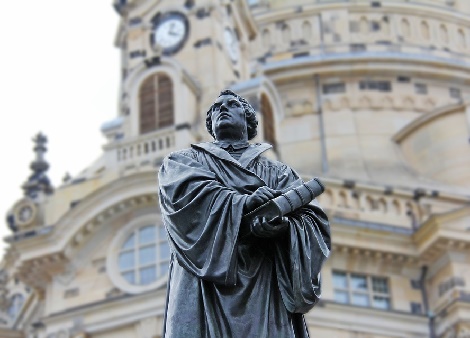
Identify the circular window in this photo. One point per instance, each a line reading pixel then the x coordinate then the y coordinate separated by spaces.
pixel 138 257
pixel 144 256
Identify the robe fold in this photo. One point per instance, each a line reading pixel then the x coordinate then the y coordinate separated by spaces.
pixel 222 284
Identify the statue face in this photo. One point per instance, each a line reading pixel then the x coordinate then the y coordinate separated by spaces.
pixel 228 118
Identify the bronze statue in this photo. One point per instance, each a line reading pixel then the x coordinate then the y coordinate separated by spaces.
pixel 232 275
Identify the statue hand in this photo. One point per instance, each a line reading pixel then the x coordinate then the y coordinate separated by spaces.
pixel 259 197
pixel 260 227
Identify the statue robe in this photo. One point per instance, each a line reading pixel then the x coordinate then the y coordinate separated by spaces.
pixel 224 283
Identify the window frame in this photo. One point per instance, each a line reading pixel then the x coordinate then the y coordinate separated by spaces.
pixel 115 249
pixel 156 103
pixel 350 291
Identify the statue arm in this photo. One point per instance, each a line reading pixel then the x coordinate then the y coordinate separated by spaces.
pixel 202 217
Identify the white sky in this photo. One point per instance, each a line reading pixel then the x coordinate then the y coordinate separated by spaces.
pixel 59 75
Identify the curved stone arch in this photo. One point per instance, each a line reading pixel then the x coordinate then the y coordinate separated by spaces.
pixel 180 79
pixel 425 119
pixel 268 88
pixel 117 196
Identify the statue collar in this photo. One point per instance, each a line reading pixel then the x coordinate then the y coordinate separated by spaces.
pixel 253 151
pixel 235 145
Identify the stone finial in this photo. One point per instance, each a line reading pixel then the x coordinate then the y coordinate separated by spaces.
pixel 38 181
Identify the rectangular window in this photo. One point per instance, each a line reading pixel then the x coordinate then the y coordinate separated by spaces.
pixel 361 290
pixel 455 93
pixel 416 308
pixel 357 47
pixel 381 86
pixel 334 88
pixel 421 88
pixel 375 26
pixel 403 79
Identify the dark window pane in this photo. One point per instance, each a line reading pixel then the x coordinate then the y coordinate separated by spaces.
pixel 358 282
pixel 379 285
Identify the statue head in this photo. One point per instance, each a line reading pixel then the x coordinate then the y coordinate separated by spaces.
pixel 232 104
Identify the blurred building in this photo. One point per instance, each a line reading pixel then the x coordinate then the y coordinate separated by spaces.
pixel 368 95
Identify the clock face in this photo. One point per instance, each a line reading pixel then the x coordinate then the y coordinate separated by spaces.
pixel 170 32
pixel 231 43
pixel 25 214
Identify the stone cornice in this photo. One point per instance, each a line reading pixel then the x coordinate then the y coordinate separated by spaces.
pixel 114 312
pixel 395 7
pixel 385 62
pixel 388 323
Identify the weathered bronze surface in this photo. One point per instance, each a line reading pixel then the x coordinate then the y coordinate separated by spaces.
pixel 230 277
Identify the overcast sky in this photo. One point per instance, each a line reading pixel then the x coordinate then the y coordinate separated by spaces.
pixel 60 74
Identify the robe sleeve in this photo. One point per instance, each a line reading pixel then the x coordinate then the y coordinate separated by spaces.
pixel 300 254
pixel 202 217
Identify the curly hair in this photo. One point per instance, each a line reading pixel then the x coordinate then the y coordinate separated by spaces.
pixel 250 113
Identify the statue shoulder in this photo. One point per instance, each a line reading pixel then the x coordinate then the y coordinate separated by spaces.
pixel 271 163
pixel 188 152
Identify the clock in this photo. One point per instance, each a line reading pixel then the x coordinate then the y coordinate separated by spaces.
pixel 231 43
pixel 25 212
pixel 169 32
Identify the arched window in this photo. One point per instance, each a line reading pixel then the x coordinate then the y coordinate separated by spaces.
pixel 144 256
pixel 405 28
pixel 425 30
pixel 156 103
pixel 286 34
pixel 307 30
pixel 268 121
pixel 17 302
pixel 443 34
pixel 462 39
pixel 363 25
pixel 266 38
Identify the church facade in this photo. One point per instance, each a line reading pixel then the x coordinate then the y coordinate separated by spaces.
pixel 370 96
